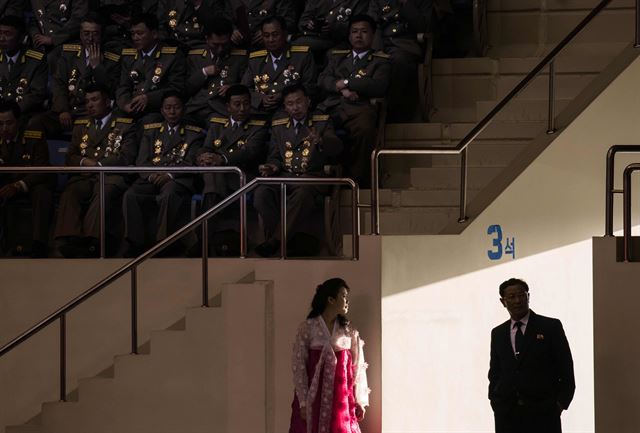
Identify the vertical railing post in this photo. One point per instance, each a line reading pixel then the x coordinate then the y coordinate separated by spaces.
pixel 134 310
pixel 608 217
pixel 355 222
pixel 463 186
pixel 551 128
pixel 205 263
pixel 375 193
pixel 63 358
pixel 636 44
pixel 103 240
pixel 283 220
pixel 243 219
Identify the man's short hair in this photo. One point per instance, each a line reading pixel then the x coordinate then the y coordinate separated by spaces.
pixel 236 90
pixel 172 93
pixel 293 88
pixel 149 20
pixel 96 87
pixel 363 18
pixel 13 21
pixel 513 282
pixel 218 26
pixel 94 18
pixel 272 19
pixel 10 105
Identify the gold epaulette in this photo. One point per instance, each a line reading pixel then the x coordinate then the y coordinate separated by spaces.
pixel 280 121
pixel 168 50
pixel 81 122
pixel 381 55
pixel 193 128
pixel 257 122
pixel 111 56
pixel 238 52
pixel 32 134
pixel 299 48
pixel 259 53
pixel 320 117
pixel 340 51
pixel 198 52
pixel 129 52
pixel 152 125
pixel 34 54
pixel 124 120
pixel 71 47
pixel 222 120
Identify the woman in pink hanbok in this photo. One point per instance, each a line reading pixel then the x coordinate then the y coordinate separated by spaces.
pixel 329 371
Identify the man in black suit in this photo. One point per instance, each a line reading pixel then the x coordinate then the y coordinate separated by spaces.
pixel 531 370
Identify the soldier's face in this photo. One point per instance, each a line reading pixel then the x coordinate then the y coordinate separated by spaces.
pixel 218 44
pixel 8 125
pixel 360 36
pixel 274 37
pixel 90 34
pixel 239 107
pixel 172 110
pixel 98 105
pixel 143 38
pixel 297 105
pixel 9 39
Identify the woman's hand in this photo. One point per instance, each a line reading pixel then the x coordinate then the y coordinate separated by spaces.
pixel 360 411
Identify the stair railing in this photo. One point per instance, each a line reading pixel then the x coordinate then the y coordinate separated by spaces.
pixel 132 266
pixel 610 189
pixel 461 147
pixel 626 185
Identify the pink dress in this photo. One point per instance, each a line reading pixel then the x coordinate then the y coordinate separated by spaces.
pixel 330 377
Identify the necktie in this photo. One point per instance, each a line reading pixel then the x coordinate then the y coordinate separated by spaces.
pixel 519 338
pixel 10 64
pixel 235 126
pixel 298 125
pixel 170 132
pixel 355 59
pixel 98 124
pixel 275 64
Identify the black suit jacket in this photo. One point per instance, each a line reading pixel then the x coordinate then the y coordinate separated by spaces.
pixel 541 377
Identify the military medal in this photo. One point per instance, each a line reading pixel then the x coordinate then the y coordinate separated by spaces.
pixel 386 9
pixel 288 145
pixel 63 7
pixel 305 152
pixel 240 143
pixel 84 145
pixel 173 23
pixel 263 13
pixel 134 75
pixel 217 142
pixel 288 154
pixel 196 24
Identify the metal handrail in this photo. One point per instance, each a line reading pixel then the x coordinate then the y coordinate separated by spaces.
pixel 101 171
pixel 461 147
pixel 610 190
pixel 60 313
pixel 628 171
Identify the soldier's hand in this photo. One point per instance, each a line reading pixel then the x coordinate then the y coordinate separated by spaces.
pixel 8 191
pixel 268 101
pixel 204 159
pixel 236 37
pixel 340 85
pixel 222 90
pixel 211 70
pixel 257 38
pixel 326 27
pixel 267 170
pixel 89 162
pixel 310 25
pixel 95 56
pixel 42 41
pixel 66 120
pixel 161 179
pixel 314 137
pixel 139 103
pixel 349 95
pixel 217 160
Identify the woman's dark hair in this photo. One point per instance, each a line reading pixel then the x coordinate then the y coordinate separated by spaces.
pixel 326 290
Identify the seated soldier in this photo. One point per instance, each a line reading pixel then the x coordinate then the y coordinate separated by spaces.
pixel 157 204
pixel 279 65
pixel 301 144
pixel 324 24
pixel 102 139
pixel 79 66
pixel 23 148
pixel 350 80
pixel 236 140
pixel 403 25
pixel 247 17
pixel 148 70
pixel 182 20
pixel 55 22
pixel 23 72
pixel 212 71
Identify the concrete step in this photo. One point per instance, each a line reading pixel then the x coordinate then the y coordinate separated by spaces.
pixel 522 110
pixel 449 177
pixel 414 220
pixel 540 49
pixel 462 90
pixel 436 198
pixel 95 388
pixel 567 86
pixel 465 66
pixel 430 134
pixel 553 5
pixel 488 155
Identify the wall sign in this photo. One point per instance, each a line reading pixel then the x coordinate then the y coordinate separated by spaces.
pixel 499 249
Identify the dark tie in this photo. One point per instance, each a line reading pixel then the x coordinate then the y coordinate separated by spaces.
pixel 298 126
pixel 98 124
pixel 235 126
pixel 10 64
pixel 275 64
pixel 170 132
pixel 519 338
pixel 355 59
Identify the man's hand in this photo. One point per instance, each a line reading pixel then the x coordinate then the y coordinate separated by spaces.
pixel 211 70
pixel 95 56
pixel 360 411
pixel 350 95
pixel 222 90
pixel 160 179
pixel 138 104
pixel 236 37
pixel 271 100
pixel 314 137
pixel 42 41
pixel 267 170
pixel 8 191
pixel 89 162
pixel 66 120
pixel 257 38
pixel 209 159
pixel 310 25
pixel 340 85
pixel 196 4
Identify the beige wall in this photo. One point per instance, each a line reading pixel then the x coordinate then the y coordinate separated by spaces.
pixel 440 296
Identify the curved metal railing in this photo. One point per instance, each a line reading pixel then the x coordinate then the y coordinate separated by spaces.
pixel 626 186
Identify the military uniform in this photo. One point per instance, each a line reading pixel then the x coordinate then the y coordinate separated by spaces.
pixel 296 65
pixel 296 156
pixel 164 70
pixel 59 19
pixel 29 149
pixel 204 100
pixel 247 15
pixel 168 205
pixel 369 77
pixel 336 14
pixel 14 8
pixel 24 82
pixel 180 21
pixel 112 144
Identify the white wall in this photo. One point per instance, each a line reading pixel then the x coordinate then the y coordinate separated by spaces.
pixel 440 293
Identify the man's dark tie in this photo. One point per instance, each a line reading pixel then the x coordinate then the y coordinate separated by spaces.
pixel 276 62
pixel 98 124
pixel 519 338
pixel 10 64
pixel 298 126
pixel 234 127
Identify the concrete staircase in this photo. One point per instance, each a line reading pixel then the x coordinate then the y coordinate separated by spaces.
pixel 420 195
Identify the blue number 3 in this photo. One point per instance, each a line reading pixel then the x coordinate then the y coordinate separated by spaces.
pixel 497 242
